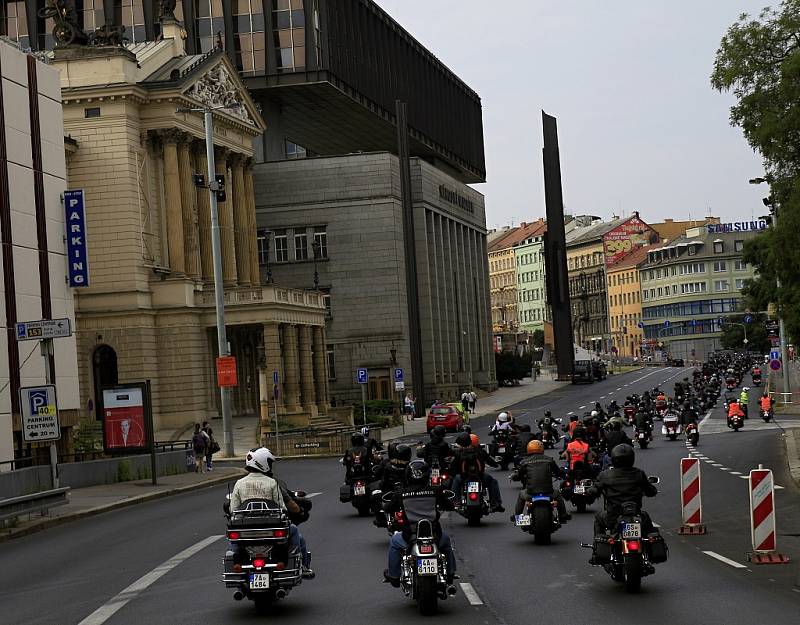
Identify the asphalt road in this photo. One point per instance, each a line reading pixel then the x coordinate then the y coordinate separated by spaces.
pixel 109 568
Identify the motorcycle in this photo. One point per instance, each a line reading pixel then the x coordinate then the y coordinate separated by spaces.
pixel 474 500
pixel 502 449
pixel 628 412
pixel 643 436
pixel 692 433
pixel 735 422
pixel 576 491
pixel 671 426
pixel 661 409
pixel 539 517
pixel 260 564
pixel 766 415
pixel 355 491
pixel 440 476
pixel 423 570
pixel 730 383
pixel 756 379
pixel 627 555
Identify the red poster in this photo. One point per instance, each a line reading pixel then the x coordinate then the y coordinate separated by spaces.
pixel 624 239
pixel 123 411
pixel 226 371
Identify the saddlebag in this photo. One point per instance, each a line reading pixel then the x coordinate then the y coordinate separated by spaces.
pixel 344 493
pixel 658 550
pixel 602 549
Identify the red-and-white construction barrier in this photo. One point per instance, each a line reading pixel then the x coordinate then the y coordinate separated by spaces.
pixel 762 518
pixel 691 504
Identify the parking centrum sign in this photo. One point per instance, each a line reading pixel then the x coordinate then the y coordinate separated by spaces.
pixel 39 413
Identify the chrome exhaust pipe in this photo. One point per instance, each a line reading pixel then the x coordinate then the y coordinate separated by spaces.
pixel 451 590
pixel 280 593
pixel 238 595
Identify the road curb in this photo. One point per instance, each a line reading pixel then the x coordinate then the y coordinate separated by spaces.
pixel 793 454
pixel 48 522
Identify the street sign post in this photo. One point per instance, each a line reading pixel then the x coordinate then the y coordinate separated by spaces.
pixel 748 319
pixel 775 354
pixel 39 413
pixel 667 323
pixel 43 329
pixel 362 377
pixel 399 375
pixel 775 365
pixel 399 386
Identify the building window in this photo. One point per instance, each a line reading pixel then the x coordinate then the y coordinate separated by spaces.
pixel 262 241
pixel 14 22
pixel 738 246
pixel 289 34
pixel 210 23
pixel 281 246
pixel 300 246
pixel 720 265
pixel 739 284
pixel 331 364
pixel 692 250
pixel 326 299
pixel 721 285
pixel 294 151
pixel 248 22
pixel 718 247
pixel 321 239
pixel 133 19
pixel 739 265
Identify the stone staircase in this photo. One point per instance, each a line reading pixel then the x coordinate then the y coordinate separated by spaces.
pixel 323 422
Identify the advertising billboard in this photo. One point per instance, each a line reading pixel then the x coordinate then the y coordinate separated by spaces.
pixel 124 418
pixel 625 238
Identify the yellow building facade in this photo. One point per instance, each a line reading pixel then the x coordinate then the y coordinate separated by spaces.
pixel 503 289
pixel 625 304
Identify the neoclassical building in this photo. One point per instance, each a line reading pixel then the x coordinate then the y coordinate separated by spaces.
pixel 148 311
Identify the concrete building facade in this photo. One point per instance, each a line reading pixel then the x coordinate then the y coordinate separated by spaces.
pixel 532 308
pixel 359 262
pixel 148 312
pixel 625 303
pixel 32 231
pixel 693 283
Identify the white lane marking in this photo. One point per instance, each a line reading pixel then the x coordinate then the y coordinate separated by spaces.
pixel 620 388
pixel 716 464
pixel 728 561
pixel 778 487
pixel 310 495
pixel 113 605
pixel 724 469
pixel 708 460
pixel 470 594
pixel 581 407
pixel 745 477
pixel 602 396
pixel 735 473
pixel 571 412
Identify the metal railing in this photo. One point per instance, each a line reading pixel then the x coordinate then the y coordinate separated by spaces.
pixel 41 502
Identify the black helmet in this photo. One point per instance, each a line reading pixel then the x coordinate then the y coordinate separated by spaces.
pixel 579 434
pixel 439 431
pixel 403 452
pixel 418 473
pixel 623 456
pixel 547 413
pixel 357 439
pixel 687 405
pixel 597 406
pixel 463 440
pixel 573 417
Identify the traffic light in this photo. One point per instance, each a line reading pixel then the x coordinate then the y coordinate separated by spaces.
pixel 220 180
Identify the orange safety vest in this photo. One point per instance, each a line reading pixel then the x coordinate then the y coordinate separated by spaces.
pixel 734 409
pixel 572 426
pixel 766 403
pixel 577 451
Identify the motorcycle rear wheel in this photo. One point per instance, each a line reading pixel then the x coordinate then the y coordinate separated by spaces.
pixel 643 444
pixel 263 602
pixel 633 574
pixel 427 599
pixel 580 506
pixel 473 516
pixel 542 524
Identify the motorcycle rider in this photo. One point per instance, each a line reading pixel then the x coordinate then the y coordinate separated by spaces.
pixel 503 422
pixel 615 418
pixel 615 436
pixel 371 444
pixel 744 400
pixel 546 424
pixel 417 500
pixel 536 472
pixel 356 460
pixel 259 484
pixel 766 402
pixel 524 437
pixel 618 485
pixel 471 459
pixel 733 409
pixel 578 450
pixel 643 421
pixel 437 449
pixel 688 414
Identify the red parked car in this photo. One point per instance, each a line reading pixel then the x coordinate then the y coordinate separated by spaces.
pixel 445 415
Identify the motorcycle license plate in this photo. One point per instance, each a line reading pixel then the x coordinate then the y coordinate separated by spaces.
pixel 359 489
pixel 435 473
pixel 579 490
pixel 259 581
pixel 632 530
pixel 642 435
pixel 501 449
pixel 427 566
pixel 522 520
pixel 473 487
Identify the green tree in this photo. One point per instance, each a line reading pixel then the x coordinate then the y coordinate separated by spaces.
pixel 537 338
pixel 758 61
pixel 733 334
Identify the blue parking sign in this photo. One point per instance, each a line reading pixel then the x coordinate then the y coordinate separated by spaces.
pixel 362 376
pixel 398 375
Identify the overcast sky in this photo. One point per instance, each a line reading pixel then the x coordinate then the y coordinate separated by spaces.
pixel 639 126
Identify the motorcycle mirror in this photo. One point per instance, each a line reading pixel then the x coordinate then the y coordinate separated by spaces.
pixel 653 479
pixel 387 497
pixel 300 493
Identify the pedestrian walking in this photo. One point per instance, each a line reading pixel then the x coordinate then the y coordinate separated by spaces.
pixel 465 401
pixel 213 447
pixel 473 400
pixel 408 407
pixel 199 445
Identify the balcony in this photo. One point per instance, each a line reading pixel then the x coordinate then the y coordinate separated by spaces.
pixel 270 294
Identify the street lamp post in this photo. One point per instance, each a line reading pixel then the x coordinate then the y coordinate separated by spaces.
pixel 216 251
pixel 773 209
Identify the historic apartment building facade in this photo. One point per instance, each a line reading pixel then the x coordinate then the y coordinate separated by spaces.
pixel 148 312
pixel 32 180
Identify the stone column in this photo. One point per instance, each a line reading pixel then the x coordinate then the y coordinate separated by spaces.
pixel 274 358
pixel 225 211
pixel 307 370
pixel 204 216
pixel 241 223
pixel 292 370
pixel 255 269
pixel 172 198
pixel 191 246
pixel 321 369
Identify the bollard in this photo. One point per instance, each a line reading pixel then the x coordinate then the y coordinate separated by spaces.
pixel 763 534
pixel 691 505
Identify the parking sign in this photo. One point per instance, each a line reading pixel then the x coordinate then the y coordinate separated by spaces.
pixel 362 376
pixel 39 413
pixel 398 375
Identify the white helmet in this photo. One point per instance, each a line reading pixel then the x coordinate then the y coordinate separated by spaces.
pixel 260 460
pixel 365 431
pixel 595 413
pixel 503 417
pixel 745 388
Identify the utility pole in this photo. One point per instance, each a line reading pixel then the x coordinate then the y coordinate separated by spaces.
pixel 47 351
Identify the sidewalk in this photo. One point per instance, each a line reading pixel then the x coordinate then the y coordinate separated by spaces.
pixel 84 502
pixel 791 437
pixel 245 435
pixel 493 403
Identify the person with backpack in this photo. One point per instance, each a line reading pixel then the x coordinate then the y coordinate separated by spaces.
pixel 356 460
pixel 213 447
pixel 471 459
pixel 200 441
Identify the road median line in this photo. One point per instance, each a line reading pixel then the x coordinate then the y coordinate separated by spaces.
pixel 727 561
